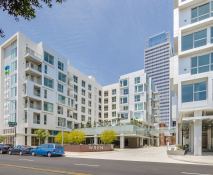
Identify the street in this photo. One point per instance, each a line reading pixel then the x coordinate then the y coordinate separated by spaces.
pixel 21 165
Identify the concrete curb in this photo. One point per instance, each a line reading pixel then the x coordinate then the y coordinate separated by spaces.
pixel 202 163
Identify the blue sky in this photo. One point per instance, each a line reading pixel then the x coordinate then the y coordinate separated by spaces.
pixel 102 38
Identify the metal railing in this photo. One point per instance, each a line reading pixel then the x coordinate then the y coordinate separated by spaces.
pixel 30 51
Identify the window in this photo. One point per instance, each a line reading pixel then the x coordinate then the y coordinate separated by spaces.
pixel 48 107
pixel 83 92
pixel 60 110
pixel 89 111
pixel 61 99
pixel 60 65
pixel 76 97
pixel 48 58
pixel 61 122
pixel 212 33
pixel 105 115
pixel 105 108
pixel 76 107
pixel 14 53
pixel 45 69
pixel 60 88
pixel 114 114
pixel 105 93
pixel 138 115
pixel 13 117
pixel 89 87
pixel 202 12
pixel 83 83
pixel 13 79
pixel 25 118
pixel 89 103
pixel 114 92
pixel 113 99
pixel 123 83
pixel 83 101
pixel 113 106
pixel 75 116
pixel 202 64
pixel 123 100
pixel 45 93
pixel 14 66
pixel 126 91
pixel 194 92
pixel 82 109
pixel 83 118
pixel 124 116
pixel 75 88
pixel 13 92
pixel 12 105
pixel 45 119
pixel 48 82
pixel 194 40
pixel 89 95
pixel 14 43
pixel 137 98
pixel 126 108
pixel 137 80
pixel 62 77
pixel 138 107
pixel 75 79
pixel 138 88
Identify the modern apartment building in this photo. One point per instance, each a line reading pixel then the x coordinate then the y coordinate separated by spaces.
pixel 40 90
pixel 156 64
pixel 191 74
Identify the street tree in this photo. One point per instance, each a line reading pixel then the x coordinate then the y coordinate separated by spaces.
pixel 42 135
pixel 23 8
pixel 2 138
pixel 77 137
pixel 58 138
pixel 108 136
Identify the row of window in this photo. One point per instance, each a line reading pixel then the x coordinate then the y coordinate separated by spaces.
pixel 147 58
pixel 156 48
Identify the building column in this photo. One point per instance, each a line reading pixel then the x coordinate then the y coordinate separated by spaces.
pixel 95 139
pixel 153 141
pixel 157 142
pixel 192 137
pixel 141 142
pixel 180 134
pixel 198 138
pixel 122 139
pixel 177 129
pixel 184 140
pixel 149 142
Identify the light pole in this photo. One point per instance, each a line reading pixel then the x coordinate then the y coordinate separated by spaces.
pixel 62 133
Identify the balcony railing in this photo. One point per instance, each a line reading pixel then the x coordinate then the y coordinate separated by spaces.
pixel 69 74
pixel 36 121
pixel 36 93
pixel 38 107
pixel 69 126
pixel 30 51
pixel 37 69
pixel 70 85
pixel 33 80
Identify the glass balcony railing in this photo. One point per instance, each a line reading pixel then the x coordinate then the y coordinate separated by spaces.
pixel 36 93
pixel 35 121
pixel 30 51
pixel 33 66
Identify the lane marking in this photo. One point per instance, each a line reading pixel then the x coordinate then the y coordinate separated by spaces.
pixel 86 165
pixel 26 159
pixel 41 169
pixel 195 173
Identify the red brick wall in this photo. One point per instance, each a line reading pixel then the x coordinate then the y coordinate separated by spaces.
pixel 87 148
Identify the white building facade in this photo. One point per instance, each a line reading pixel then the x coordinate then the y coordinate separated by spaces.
pixel 191 74
pixel 40 90
pixel 156 64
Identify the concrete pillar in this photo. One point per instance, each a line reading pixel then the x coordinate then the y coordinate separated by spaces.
pixel 153 141
pixel 177 129
pixel 157 142
pixel 184 140
pixel 95 139
pixel 180 134
pixel 192 137
pixel 141 142
pixel 122 140
pixel 149 142
pixel 198 137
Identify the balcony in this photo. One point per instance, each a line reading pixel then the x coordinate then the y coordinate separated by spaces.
pixel 155 114
pixel 70 85
pixel 33 69
pixel 35 121
pixel 33 56
pixel 36 93
pixel 69 94
pixel 155 107
pixel 33 79
pixel 69 75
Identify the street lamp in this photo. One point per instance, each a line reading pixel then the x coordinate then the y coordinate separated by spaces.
pixel 62 133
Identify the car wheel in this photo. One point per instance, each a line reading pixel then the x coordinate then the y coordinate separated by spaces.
pixel 33 153
pixel 20 153
pixel 1 152
pixel 10 153
pixel 49 154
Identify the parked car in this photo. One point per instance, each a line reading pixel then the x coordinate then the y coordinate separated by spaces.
pixel 5 147
pixel 50 149
pixel 20 149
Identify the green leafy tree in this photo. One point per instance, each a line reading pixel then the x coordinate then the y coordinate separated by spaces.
pixel 58 138
pixel 2 138
pixel 88 125
pixel 23 8
pixel 42 135
pixel 77 137
pixel 108 136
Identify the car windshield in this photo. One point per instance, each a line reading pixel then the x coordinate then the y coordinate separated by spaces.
pixel 26 146
pixel 58 146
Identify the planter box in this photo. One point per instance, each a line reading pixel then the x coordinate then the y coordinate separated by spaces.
pixel 176 152
pixel 87 148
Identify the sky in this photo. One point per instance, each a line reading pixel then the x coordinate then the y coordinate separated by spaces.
pixel 102 38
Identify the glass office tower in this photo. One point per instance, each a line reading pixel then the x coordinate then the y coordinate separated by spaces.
pixel 156 64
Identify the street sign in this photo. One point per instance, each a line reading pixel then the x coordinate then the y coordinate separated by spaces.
pixel 12 123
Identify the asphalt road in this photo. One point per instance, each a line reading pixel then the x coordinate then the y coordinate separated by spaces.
pixel 25 165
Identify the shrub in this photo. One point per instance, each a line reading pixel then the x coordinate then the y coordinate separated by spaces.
pixel 108 136
pixel 76 137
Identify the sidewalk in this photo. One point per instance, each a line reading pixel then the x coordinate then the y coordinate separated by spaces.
pixel 206 158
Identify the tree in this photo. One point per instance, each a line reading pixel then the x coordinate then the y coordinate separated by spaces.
pixel 108 136
pixel 77 137
pixel 42 135
pixel 23 8
pixel 2 138
pixel 88 125
pixel 58 138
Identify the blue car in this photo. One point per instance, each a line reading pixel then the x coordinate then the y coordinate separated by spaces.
pixel 49 149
